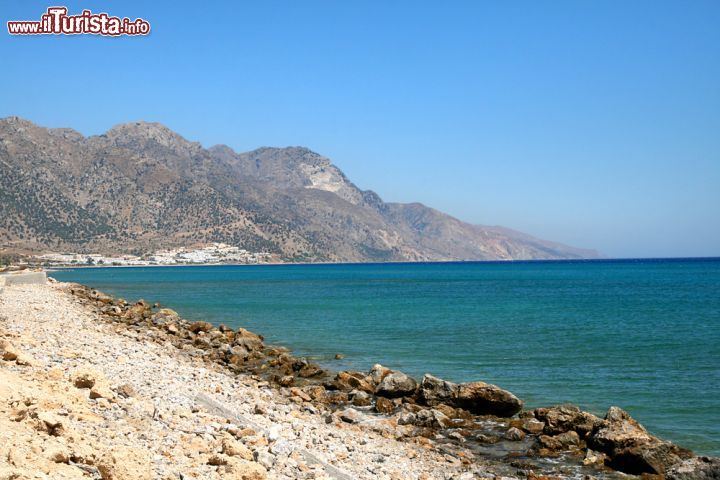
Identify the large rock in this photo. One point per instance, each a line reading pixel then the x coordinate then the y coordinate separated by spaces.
pixel 477 397
pixel 249 340
pixel 239 469
pixel 123 463
pixel 514 434
pixel 383 405
pixel 530 425
pixel 350 415
pixel 561 441
pixel 486 399
pixel 619 430
pixel 631 448
pixel 434 391
pixel 565 418
pixel 200 326
pixel 86 377
pixel 50 423
pixel 696 468
pixel 233 448
pixel 8 351
pixel 347 381
pixel 164 316
pixel 377 373
pixel 396 384
pixel 432 418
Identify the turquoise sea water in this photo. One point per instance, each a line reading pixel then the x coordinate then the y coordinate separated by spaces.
pixel 640 334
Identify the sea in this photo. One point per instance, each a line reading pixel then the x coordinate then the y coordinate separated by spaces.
pixel 640 334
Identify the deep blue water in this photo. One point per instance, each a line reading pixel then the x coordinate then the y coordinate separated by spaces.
pixel 642 334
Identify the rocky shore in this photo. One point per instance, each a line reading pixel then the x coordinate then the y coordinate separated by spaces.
pixel 97 387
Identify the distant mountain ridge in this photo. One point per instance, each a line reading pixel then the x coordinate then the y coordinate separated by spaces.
pixel 140 187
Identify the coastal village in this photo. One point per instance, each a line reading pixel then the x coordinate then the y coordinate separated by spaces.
pixel 213 253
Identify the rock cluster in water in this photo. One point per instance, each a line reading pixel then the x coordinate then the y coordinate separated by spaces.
pixel 431 405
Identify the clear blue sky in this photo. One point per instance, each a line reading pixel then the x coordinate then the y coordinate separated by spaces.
pixel 594 123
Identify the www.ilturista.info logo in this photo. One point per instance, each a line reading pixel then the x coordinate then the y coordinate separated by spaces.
pixel 57 22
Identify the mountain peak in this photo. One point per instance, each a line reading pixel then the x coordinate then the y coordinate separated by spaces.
pixel 141 133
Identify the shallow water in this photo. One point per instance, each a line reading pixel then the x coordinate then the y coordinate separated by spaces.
pixel 643 334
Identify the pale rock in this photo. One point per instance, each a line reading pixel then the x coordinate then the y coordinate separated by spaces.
pixel 124 463
pixel 51 423
pixel 234 448
pixel 86 377
pixel 396 384
pixel 8 351
pixel 377 373
pixel 514 434
pixel 239 469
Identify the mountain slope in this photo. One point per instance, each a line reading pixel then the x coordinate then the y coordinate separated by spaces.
pixel 141 186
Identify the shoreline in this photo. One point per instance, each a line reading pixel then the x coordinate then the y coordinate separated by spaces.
pixel 432 413
pixel 434 262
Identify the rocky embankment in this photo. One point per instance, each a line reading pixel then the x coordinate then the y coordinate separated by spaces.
pixel 96 387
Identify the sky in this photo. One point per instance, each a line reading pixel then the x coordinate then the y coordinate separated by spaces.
pixel 593 123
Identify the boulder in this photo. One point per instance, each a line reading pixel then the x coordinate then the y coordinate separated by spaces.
pixel 164 316
pixel 197 327
pixel 124 463
pixel 51 423
pixel 530 425
pixel 101 390
pixel 113 310
pixel 432 418
pixel 477 397
pixel 594 458
pixel 126 390
pixel 377 373
pixel 310 370
pixel 347 381
pixel 248 339
pixel 396 384
pixel 384 405
pixel 550 443
pixel 236 355
pixel 350 415
pixel 487 399
pixel 86 377
pixel 240 469
pixel 316 393
pixel 286 381
pixel 696 468
pixel 360 398
pixel 407 418
pixel 619 430
pixel 57 454
pixel 568 439
pixel 514 434
pixel 564 418
pixel 337 397
pixel 435 390
pixel 100 297
pixel 630 448
pixel 654 457
pixel 24 359
pixel 8 351
pixel 233 448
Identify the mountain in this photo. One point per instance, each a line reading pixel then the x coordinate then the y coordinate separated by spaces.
pixel 140 187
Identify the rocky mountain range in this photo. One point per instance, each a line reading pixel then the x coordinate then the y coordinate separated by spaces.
pixel 140 187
